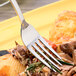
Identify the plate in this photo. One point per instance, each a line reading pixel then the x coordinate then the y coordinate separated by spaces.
pixel 41 18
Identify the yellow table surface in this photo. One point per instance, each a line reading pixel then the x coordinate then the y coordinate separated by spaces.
pixel 41 18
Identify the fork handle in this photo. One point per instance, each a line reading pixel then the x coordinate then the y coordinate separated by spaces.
pixel 18 11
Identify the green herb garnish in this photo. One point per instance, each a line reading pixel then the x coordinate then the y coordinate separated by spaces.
pixel 33 66
pixel 41 68
pixel 65 62
pixel 57 70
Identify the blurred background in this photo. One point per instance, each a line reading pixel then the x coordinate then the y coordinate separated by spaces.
pixel 7 11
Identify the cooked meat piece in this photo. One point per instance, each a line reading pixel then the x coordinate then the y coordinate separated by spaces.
pixel 63 73
pixel 74 56
pixel 47 74
pixel 46 69
pixel 33 74
pixel 72 71
pixel 38 74
pixel 66 57
pixel 22 54
pixel 65 67
pixel 54 75
pixel 68 47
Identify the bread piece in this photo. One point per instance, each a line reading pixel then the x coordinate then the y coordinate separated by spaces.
pixel 64 27
pixel 9 66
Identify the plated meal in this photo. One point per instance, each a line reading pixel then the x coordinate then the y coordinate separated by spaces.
pixel 62 38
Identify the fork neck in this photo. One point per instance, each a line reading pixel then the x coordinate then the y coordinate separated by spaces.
pixel 24 24
pixel 19 13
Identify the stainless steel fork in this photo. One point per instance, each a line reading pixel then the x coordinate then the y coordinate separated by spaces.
pixel 31 37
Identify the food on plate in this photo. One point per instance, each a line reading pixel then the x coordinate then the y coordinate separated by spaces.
pixel 64 27
pixel 21 62
pixel 74 56
pixel 68 47
pixel 35 68
pixel 66 57
pixel 9 66
pixel 33 65
pixel 72 71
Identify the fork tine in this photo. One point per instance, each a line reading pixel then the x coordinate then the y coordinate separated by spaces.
pixel 37 56
pixel 48 46
pixel 47 52
pixel 44 55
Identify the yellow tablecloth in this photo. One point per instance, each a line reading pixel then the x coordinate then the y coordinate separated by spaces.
pixel 40 18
